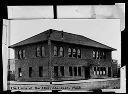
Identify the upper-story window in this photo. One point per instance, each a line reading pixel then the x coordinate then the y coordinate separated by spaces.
pixel 69 52
pixel 99 55
pixel 104 55
pixel 38 52
pixel 74 53
pixel 20 54
pixel 94 54
pixel 55 51
pixel 79 53
pixel 43 51
pixel 61 51
pixel 23 53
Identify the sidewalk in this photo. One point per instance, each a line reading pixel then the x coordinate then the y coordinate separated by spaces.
pixel 63 82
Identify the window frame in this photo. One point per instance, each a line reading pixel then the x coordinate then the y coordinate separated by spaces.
pixel 69 52
pixel 61 51
pixel 78 53
pixel 74 53
pixel 38 51
pixel 42 51
pixel 55 51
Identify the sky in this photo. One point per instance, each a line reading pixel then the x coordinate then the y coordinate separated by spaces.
pixel 106 31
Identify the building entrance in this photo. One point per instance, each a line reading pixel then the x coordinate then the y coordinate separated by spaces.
pixel 109 71
pixel 87 72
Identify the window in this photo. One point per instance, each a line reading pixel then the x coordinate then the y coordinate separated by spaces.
pixel 56 71
pixel 104 55
pixel 61 51
pixel 69 52
pixel 19 72
pixel 62 70
pixel 30 71
pixel 70 71
pixel 40 71
pixel 101 55
pixel 78 53
pixel 38 52
pixel 20 54
pixel 79 71
pixel 104 71
pixel 43 51
pixel 23 53
pixel 98 70
pixel 55 51
pixel 74 53
pixel 101 69
pixel 94 54
pixel 75 71
pixel 94 70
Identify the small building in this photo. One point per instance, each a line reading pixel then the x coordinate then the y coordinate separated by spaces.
pixel 56 55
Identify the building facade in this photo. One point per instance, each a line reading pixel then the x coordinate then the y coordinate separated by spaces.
pixel 56 55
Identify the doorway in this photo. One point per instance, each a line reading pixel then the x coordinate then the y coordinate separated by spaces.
pixel 87 72
pixel 109 71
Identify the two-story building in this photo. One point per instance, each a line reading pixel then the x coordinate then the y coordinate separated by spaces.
pixel 57 55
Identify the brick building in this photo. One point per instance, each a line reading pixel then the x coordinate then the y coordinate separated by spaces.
pixel 57 55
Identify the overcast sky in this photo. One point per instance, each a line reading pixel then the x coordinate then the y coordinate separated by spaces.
pixel 106 31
